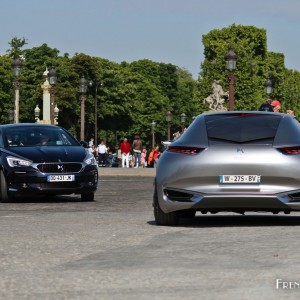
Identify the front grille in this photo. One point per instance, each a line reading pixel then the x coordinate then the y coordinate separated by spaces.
pixel 59 168
pixel 59 185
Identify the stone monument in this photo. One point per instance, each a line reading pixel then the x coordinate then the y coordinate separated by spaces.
pixel 216 99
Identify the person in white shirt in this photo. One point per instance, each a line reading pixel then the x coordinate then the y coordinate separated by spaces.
pixel 102 152
pixel 91 143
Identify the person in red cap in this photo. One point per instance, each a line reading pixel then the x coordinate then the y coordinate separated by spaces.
pixel 276 105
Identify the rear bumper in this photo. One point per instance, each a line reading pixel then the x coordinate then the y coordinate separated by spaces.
pixel 174 199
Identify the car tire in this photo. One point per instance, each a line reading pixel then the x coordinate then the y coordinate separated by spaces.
pixel 161 218
pixel 4 195
pixel 87 197
pixel 187 214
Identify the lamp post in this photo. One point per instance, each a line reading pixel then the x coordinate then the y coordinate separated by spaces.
pixel 269 86
pixel 52 80
pixel 117 146
pixel 37 114
pixel 183 120
pixel 153 125
pixel 231 59
pixel 56 111
pixel 17 66
pixel 169 119
pixel 83 85
pixel 96 85
pixel 10 116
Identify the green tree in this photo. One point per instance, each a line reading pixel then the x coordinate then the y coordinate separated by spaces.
pixel 250 44
pixel 6 89
pixel 16 44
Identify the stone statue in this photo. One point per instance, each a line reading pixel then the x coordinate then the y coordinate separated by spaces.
pixel 216 99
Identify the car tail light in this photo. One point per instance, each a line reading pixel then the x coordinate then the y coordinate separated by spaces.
pixel 290 150
pixel 184 150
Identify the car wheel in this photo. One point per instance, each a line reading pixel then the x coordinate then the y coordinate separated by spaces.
pixel 87 197
pixel 187 214
pixel 4 195
pixel 161 218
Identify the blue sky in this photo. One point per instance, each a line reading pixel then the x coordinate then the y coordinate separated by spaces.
pixel 168 31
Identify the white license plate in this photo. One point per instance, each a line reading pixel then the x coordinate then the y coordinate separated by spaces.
pixel 239 178
pixel 60 178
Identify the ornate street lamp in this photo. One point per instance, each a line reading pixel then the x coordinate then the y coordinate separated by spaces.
pixel 37 114
pixel 153 125
pixel 56 111
pixel 10 116
pixel 96 85
pixel 183 119
pixel 168 120
pixel 231 59
pixel 83 85
pixel 17 66
pixel 269 86
pixel 52 80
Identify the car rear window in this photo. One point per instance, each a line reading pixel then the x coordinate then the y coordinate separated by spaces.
pixel 242 128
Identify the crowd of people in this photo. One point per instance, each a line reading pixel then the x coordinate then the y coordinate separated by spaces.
pixel 133 155
pixel 273 106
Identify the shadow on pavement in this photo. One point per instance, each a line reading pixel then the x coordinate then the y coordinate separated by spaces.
pixel 47 199
pixel 238 221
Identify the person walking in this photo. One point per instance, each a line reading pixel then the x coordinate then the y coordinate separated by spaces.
pixel 125 150
pixel 276 105
pixel 150 161
pixel 137 147
pixel 143 158
pixel 91 143
pixel 102 150
pixel 156 154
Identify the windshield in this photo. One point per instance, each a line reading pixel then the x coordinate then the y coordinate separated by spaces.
pixel 31 136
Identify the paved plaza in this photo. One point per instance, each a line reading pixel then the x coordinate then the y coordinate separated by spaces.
pixel 111 249
pixel 145 172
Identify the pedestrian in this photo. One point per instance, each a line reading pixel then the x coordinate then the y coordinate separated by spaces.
pixel 156 154
pixel 276 105
pixel 143 158
pixel 125 151
pixel 91 143
pixel 94 152
pixel 176 135
pixel 137 147
pixel 108 157
pixel 150 162
pixel 131 161
pixel 290 112
pixel 102 150
pixel 266 106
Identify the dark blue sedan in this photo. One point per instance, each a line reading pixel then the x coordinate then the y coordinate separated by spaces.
pixel 39 159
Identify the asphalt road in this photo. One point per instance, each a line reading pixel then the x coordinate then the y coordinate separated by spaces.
pixel 60 248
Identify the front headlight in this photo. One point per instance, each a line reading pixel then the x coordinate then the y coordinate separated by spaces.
pixel 90 160
pixel 18 162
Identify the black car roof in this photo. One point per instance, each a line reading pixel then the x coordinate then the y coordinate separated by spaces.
pixel 27 124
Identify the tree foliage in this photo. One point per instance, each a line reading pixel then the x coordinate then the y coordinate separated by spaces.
pixel 130 96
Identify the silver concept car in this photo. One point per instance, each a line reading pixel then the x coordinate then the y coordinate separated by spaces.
pixel 230 161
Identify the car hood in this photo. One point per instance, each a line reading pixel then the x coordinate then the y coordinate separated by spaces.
pixel 51 154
